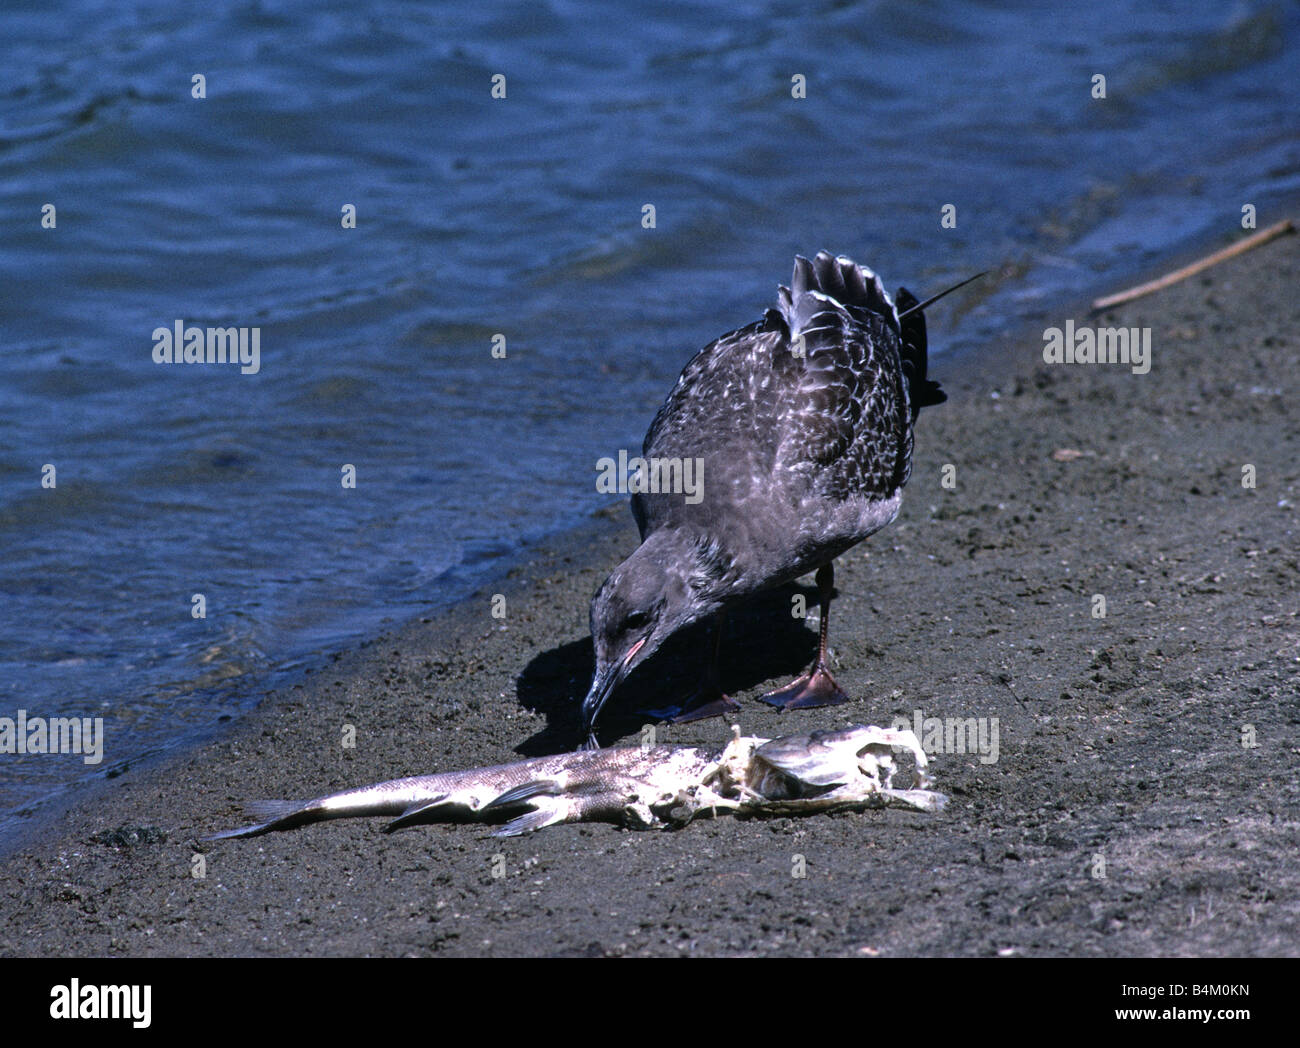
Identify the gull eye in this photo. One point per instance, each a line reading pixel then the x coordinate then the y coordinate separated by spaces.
pixel 635 621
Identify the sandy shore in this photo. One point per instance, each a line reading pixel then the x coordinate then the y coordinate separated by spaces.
pixel 1123 814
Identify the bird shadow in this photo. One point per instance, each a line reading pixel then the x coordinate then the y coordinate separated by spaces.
pixel 762 641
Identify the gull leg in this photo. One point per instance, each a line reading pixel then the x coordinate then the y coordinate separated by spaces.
pixel 708 700
pixel 816 687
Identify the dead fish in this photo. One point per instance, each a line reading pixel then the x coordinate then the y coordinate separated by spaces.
pixel 641 787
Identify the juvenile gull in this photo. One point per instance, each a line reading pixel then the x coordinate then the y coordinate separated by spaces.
pixel 802 422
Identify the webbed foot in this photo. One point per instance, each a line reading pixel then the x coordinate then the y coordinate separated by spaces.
pixel 815 688
pixel 707 702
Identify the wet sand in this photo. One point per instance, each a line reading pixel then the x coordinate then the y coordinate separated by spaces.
pixel 1124 814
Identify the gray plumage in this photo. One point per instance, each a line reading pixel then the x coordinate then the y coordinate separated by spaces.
pixel 802 422
pixel 800 452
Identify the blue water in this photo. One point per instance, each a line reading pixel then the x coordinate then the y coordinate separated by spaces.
pixel 520 216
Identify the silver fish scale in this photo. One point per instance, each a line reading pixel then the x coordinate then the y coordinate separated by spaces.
pixel 641 787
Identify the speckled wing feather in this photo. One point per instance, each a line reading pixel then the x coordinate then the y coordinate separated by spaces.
pixel 846 424
pixel 832 422
pixel 722 410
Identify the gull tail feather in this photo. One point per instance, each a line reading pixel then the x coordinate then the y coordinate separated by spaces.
pixel 828 281
pixel 921 391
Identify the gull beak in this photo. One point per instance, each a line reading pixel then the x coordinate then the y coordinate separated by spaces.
pixel 602 687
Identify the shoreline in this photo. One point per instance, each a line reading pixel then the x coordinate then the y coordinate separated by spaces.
pixel 982 360
pixel 1013 861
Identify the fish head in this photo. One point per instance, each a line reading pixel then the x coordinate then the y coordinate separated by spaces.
pixel 856 758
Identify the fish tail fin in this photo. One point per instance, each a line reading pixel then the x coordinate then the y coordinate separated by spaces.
pixel 275 815
pixel 921 391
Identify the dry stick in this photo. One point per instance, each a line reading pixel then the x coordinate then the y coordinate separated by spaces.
pixel 1262 237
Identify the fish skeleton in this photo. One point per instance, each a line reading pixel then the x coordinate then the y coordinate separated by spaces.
pixel 641 787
